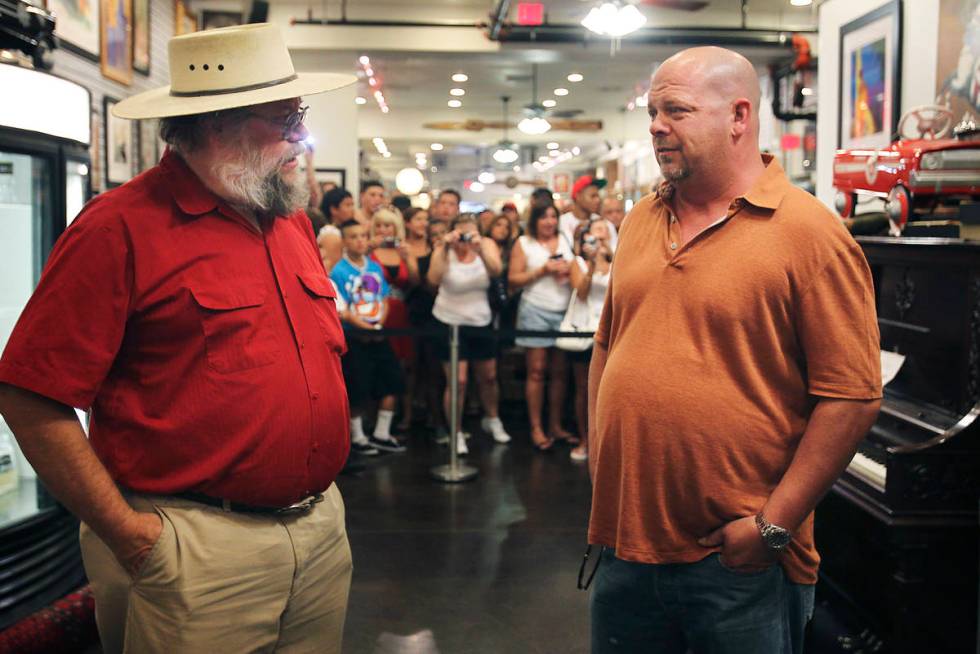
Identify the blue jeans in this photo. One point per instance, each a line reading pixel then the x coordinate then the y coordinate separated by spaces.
pixel 702 607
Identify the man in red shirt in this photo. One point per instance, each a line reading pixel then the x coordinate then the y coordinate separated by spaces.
pixel 189 311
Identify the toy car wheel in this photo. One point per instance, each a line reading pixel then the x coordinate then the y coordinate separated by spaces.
pixel 898 207
pixel 845 203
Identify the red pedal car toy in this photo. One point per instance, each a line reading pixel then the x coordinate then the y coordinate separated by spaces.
pixel 919 171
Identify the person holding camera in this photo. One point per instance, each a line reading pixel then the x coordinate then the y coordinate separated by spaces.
pixel 590 281
pixel 540 265
pixel 389 250
pixel 462 264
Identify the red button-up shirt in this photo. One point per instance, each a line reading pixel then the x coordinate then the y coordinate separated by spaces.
pixel 209 352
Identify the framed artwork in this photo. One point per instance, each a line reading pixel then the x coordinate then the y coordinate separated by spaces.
pixel 214 19
pixel 77 26
pixel 336 175
pixel 95 154
pixel 117 40
pixel 141 36
pixel 870 73
pixel 561 183
pixel 795 93
pixel 147 147
pixel 118 146
pixel 185 21
pixel 958 61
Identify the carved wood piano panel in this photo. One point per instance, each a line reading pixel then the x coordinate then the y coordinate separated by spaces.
pixel 899 532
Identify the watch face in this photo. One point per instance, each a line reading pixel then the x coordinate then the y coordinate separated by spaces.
pixel 779 539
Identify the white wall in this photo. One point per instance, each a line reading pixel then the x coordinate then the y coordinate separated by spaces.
pixel 920 33
pixel 332 122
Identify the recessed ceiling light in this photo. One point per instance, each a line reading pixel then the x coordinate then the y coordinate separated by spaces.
pixel 549 103
pixel 552 146
pixel 364 60
pixel 561 91
pixel 576 150
pixel 455 104
pixel 436 146
pixel 575 77
pixel 460 77
pixel 360 100
pixel 457 92
pixel 801 3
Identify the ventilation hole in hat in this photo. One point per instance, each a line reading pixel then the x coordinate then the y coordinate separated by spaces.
pixel 205 67
pixel 191 66
pixel 221 66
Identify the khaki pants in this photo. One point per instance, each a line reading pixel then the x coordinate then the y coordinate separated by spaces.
pixel 226 582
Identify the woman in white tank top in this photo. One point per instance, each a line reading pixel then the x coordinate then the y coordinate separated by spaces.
pixel 540 264
pixel 590 282
pixel 461 267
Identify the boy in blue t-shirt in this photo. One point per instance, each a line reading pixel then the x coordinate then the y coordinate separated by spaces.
pixel 370 368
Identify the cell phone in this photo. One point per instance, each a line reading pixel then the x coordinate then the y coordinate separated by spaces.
pixel 390 243
pixel 556 257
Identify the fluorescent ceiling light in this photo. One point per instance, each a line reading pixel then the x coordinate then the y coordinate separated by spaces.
pixel 455 104
pixel 457 92
pixel 561 91
pixel 575 77
pixel 534 126
pixel 460 77
pixel 614 20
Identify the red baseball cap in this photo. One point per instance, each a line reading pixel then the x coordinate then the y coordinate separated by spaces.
pixel 586 181
pixel 508 205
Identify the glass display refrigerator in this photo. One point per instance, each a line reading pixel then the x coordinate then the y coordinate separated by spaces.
pixel 45 124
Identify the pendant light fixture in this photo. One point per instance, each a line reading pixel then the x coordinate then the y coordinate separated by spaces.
pixel 505 152
pixel 614 19
pixel 535 123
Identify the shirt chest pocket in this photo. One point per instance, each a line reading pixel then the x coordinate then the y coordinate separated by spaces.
pixel 236 324
pixel 323 299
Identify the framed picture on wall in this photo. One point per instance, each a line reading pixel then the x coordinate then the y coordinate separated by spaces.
pixel 77 26
pixel 117 40
pixel 148 153
pixel 185 21
pixel 336 175
pixel 141 36
pixel 214 19
pixel 119 149
pixel 870 72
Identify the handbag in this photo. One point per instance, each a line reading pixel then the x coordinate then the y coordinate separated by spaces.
pixel 577 318
pixel 497 294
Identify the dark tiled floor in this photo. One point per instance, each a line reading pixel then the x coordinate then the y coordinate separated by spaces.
pixel 482 567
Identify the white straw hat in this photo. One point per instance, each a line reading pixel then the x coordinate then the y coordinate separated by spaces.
pixel 226 68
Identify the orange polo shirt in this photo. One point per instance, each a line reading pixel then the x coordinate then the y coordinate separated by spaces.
pixel 717 352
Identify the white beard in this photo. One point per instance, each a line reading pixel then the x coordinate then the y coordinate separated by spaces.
pixel 249 178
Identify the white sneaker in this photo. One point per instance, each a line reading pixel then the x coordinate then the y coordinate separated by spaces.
pixel 461 444
pixel 495 427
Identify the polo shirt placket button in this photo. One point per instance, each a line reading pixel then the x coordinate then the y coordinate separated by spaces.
pixel 673 246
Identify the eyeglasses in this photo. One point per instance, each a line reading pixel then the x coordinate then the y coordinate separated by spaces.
pixel 289 124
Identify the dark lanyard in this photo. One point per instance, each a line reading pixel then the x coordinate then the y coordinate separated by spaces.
pixel 595 568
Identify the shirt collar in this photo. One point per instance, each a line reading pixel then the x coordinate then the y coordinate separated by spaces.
pixel 766 192
pixel 189 192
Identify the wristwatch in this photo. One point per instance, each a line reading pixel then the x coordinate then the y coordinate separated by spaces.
pixel 775 537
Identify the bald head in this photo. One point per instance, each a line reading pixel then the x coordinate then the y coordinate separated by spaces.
pixel 704 118
pixel 722 73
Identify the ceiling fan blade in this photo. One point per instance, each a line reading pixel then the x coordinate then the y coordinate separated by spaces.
pixel 566 113
pixel 471 125
pixel 571 125
pixel 682 5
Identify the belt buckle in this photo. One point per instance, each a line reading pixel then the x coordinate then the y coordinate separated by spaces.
pixel 303 506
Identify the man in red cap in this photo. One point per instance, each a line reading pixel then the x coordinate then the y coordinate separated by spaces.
pixel 585 205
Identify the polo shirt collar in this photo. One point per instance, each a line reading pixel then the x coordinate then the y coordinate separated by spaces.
pixel 766 193
pixel 189 192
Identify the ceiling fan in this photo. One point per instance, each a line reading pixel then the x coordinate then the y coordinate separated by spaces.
pixel 478 125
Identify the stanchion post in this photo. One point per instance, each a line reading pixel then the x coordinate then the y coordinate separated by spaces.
pixel 455 472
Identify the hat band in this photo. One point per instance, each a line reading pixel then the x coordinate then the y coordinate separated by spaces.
pixel 237 89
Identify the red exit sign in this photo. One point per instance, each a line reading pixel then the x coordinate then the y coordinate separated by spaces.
pixel 530 13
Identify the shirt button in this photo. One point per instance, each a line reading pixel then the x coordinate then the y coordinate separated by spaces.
pixel 315 396
pixel 673 246
pixel 302 345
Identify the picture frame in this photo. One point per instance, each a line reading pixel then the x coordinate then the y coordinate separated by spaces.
pixel 215 19
pixel 185 21
pixel 336 175
pixel 117 40
pixel 147 146
pixel 141 36
pixel 78 26
pixel 795 93
pixel 119 148
pixel 869 98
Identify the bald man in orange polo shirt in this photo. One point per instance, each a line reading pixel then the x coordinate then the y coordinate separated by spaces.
pixel 735 370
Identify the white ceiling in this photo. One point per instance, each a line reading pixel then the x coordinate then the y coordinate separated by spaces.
pixel 414 65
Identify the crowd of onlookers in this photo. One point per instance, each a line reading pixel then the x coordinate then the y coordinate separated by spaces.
pixel 395 266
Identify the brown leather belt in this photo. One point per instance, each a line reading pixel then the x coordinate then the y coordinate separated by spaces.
pixel 303 506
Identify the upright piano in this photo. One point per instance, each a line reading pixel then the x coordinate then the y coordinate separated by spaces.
pixel 898 533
